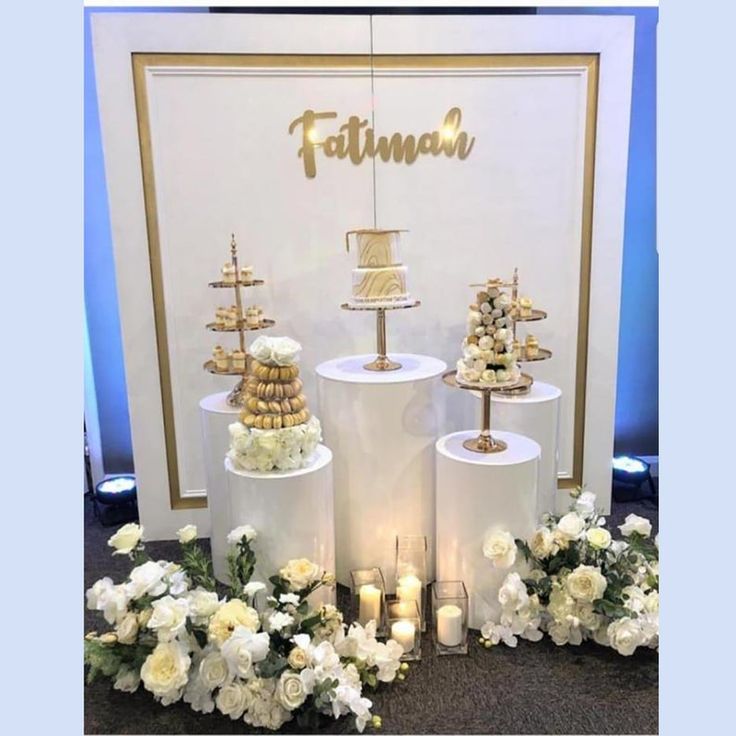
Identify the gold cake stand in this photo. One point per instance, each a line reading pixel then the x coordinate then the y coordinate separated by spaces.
pixel 236 396
pixel 485 442
pixel 381 362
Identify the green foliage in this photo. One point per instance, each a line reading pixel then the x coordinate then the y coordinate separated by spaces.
pixel 523 547
pixel 198 566
pixel 273 665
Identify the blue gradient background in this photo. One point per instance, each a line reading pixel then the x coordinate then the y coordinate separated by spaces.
pixel 637 390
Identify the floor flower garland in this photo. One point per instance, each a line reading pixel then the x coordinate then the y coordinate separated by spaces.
pixel 575 582
pixel 266 659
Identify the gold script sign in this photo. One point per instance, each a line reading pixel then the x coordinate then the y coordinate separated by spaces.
pixel 356 141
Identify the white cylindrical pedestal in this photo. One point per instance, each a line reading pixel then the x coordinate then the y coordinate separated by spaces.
pixel 382 427
pixel 535 415
pixel 216 415
pixel 293 513
pixel 477 493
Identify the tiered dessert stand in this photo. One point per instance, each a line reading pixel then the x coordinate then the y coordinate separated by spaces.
pixel 235 397
pixel 381 362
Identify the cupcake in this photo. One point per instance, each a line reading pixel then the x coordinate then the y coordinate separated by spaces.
pixel 231 316
pixel 525 307
pixel 221 316
pixel 221 358
pixel 228 273
pixel 532 346
pixel 238 358
pixel 252 316
pixel 246 274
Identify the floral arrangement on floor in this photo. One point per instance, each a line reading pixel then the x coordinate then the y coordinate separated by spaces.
pixel 575 582
pixel 264 658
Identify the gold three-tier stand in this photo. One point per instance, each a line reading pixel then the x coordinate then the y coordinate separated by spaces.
pixel 235 397
pixel 381 361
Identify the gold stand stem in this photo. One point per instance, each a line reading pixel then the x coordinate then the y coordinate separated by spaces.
pixel 484 442
pixel 381 363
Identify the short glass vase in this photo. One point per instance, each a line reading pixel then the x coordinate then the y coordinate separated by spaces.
pixel 404 627
pixel 369 598
pixel 450 616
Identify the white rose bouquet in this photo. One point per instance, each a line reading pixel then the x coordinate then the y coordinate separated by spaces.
pixel 263 661
pixel 579 582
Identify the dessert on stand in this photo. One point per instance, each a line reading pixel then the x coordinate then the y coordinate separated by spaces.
pixel 235 318
pixel 379 284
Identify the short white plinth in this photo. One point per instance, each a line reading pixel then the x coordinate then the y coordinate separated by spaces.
pixel 216 416
pixel 477 493
pixel 293 513
pixel 382 427
pixel 535 415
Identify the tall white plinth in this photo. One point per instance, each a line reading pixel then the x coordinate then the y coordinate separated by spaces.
pixel 476 494
pixel 535 415
pixel 382 427
pixel 216 415
pixel 293 513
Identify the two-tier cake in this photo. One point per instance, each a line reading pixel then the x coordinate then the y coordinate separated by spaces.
pixel 380 277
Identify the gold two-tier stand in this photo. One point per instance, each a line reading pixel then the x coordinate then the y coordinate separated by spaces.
pixel 485 442
pixel 542 353
pixel 235 397
pixel 382 361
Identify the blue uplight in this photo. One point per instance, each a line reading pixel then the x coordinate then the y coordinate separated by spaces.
pixel 632 465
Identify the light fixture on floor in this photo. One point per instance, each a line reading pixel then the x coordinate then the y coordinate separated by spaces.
pixel 632 472
pixel 115 500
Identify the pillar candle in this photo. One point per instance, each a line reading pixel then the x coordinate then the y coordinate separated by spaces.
pixel 450 625
pixel 409 588
pixel 403 632
pixel 370 604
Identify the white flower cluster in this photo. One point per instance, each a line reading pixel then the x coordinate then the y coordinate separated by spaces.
pixel 574 591
pixel 273 449
pixel 261 666
pixel 276 351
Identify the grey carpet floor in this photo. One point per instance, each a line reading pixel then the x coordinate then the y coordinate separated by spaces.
pixel 537 688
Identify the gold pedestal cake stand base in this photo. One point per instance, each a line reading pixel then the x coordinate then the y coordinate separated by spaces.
pixel 485 443
pixel 381 362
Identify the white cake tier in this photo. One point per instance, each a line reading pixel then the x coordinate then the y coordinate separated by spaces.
pixel 379 284
pixel 378 249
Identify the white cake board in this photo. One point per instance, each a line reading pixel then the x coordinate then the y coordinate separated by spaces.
pixel 216 416
pixel 535 415
pixel 477 493
pixel 382 427
pixel 293 513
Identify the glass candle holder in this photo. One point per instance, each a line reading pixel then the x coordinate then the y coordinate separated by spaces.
pixel 369 598
pixel 404 627
pixel 411 572
pixel 450 614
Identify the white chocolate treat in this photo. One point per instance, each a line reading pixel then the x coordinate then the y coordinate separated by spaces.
pixel 474 317
pixel 502 376
pixel 497 313
pixel 479 365
pixel 502 301
pixel 488 376
pixel 485 307
pixel 485 343
pixel 493 292
pixel 501 334
pixel 480 331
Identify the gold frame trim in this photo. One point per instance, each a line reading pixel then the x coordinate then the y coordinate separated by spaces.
pixel 143 61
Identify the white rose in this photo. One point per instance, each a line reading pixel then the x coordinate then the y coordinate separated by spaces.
pixel 260 349
pixel 598 537
pixel 586 583
pixel 250 589
pixel 634 598
pixel 97 593
pixel 187 534
pixel 146 579
pixel 232 700
pixel 297 658
pixel 585 503
pixel 636 524
pixel 300 573
pixel 278 621
pixel 238 533
pixel 290 690
pixel 500 548
pixel 125 539
pixel 169 617
pixel 285 351
pixel 571 526
pixel 164 673
pixel 213 670
pixel 244 649
pixel 624 635
pixel 561 604
pixel 542 543
pixel 289 598
pixel 202 604
pixel 234 613
pixel 127 679
pixel 127 629
pixel 651 602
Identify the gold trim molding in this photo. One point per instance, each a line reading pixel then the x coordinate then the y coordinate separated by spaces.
pixel 142 62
